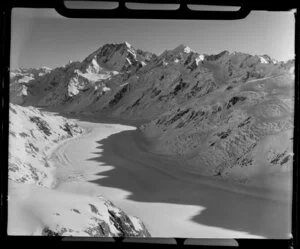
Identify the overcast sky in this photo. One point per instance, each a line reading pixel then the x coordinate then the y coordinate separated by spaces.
pixel 42 37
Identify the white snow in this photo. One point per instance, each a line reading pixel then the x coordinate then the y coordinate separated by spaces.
pixel 28 164
pixel 47 68
pixel 136 222
pixel 128 61
pixel 130 49
pixel 96 65
pixel 143 63
pixel 12 74
pixel 73 88
pixel 199 58
pixel 263 60
pixel 187 50
pixel 132 52
pixel 33 204
pixel 105 89
pixel 26 79
pixel 266 59
pixel 93 77
pixel 32 207
pixel 24 90
pixel 124 84
pixel 292 71
pixel 128 44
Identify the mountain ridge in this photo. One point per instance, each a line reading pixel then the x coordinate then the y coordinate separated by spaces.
pixel 190 102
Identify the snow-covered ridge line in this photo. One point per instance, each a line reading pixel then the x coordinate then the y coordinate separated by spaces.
pixel 102 65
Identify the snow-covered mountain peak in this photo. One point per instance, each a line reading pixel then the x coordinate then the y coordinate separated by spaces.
pixel 127 44
pixel 187 50
pixel 113 64
pixel 117 57
pixel 183 48
pixel 266 59
pixel 200 58
pixel 177 55
pixel 263 60
pixel 94 66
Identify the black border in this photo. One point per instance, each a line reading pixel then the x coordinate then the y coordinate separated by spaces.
pixel 122 12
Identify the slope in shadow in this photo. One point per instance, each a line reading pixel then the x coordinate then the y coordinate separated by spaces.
pixel 155 178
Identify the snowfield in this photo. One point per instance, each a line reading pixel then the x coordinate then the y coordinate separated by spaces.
pixel 32 136
pixel 35 207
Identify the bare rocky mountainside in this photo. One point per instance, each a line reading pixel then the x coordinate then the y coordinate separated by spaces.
pixel 227 115
pixel 32 195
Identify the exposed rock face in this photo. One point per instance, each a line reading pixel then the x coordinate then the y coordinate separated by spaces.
pixel 32 134
pixel 229 114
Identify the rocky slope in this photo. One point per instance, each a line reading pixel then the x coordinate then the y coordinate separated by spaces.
pixel 229 114
pixel 32 136
pixel 238 133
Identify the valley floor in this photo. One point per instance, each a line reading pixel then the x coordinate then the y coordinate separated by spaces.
pixel 113 160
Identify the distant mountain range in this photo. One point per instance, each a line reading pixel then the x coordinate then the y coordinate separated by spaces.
pixel 226 115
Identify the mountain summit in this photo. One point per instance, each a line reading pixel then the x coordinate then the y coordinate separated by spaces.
pixel 215 112
pixel 112 64
pixel 118 57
